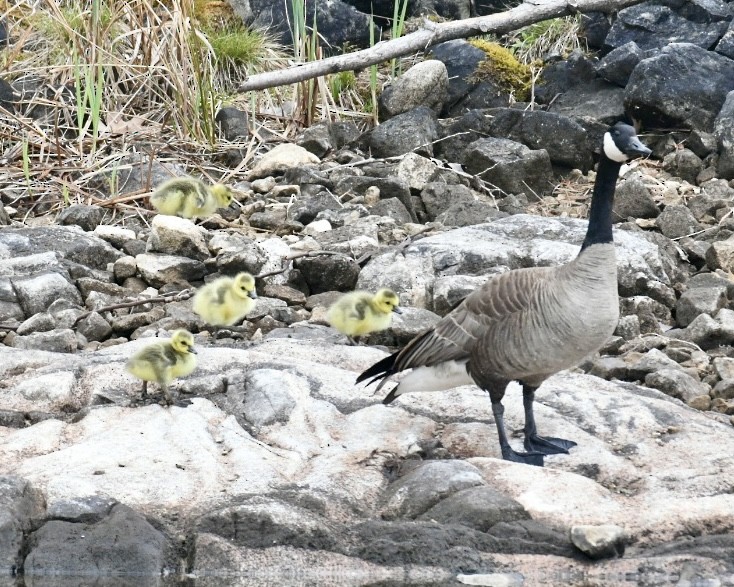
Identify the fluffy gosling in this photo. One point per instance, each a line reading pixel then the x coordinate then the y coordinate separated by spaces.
pixel 226 300
pixel 360 312
pixel 164 361
pixel 190 197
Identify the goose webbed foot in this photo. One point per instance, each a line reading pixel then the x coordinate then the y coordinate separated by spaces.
pixel 548 445
pixel 526 458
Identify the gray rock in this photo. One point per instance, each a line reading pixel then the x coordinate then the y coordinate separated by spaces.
pixel 82 215
pixel 417 171
pixel 115 235
pixel 94 327
pixel 392 208
pixel 37 293
pixel 479 508
pixel 241 255
pixel 683 163
pixel 461 59
pixel 628 327
pixel 681 85
pixel 617 65
pixel 158 270
pixel 638 367
pixel 329 272
pixel 677 221
pixel 469 213
pixel 720 255
pixel 700 300
pixel 564 139
pixel 609 368
pixel 724 367
pixel 124 267
pixel 405 326
pixel 597 100
pixel 423 487
pixel 70 242
pixel 123 543
pixel 724 133
pixel 127 323
pixel 708 332
pixel 725 46
pixel 724 389
pixel 268 400
pixel 599 542
pixel 82 508
pixel 306 210
pixel 41 322
pixel 510 166
pixel 358 238
pixel 633 199
pixel 317 139
pixel 414 130
pixel 676 383
pixel 58 341
pixel 233 123
pixel 19 505
pixel 389 188
pixel 425 84
pixel 10 309
pixel 458 133
pixel 438 197
pixel 449 291
pixel 172 235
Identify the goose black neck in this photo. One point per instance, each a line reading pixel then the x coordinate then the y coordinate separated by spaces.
pixel 602 201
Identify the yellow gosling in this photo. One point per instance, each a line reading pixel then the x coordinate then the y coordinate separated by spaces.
pixel 190 197
pixel 360 312
pixel 164 361
pixel 225 301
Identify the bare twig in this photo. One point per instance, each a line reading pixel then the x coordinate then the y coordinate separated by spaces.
pixel 432 34
pixel 178 296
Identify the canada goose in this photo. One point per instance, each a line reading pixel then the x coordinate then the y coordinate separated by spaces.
pixel 190 197
pixel 164 361
pixel 360 312
pixel 526 324
pixel 226 300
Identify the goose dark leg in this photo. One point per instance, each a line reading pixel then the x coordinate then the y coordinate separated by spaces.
pixel 546 445
pixel 529 458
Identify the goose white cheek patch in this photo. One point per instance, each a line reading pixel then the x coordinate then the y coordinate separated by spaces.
pixel 612 151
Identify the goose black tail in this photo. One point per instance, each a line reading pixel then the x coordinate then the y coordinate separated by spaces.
pixel 379 370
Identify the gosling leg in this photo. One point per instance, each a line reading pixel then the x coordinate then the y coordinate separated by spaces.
pixel 529 458
pixel 546 445
pixel 144 395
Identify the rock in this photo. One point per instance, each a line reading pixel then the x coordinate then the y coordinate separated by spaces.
pixel 683 163
pixel 653 25
pixel 708 332
pixel 58 341
pixel 478 507
pixel 405 326
pixel 280 158
pixel 677 221
pixel 94 327
pixel 438 197
pixel 720 255
pixel 357 238
pixel 288 294
pixel 123 543
pixel 469 213
pixel 609 368
pixel 392 208
pixel 682 85
pixel 268 399
pixel 316 139
pixel 564 139
pixel 425 84
pixel 599 541
pixel 416 171
pixel 306 210
pixel 388 188
pixel 414 130
pixel 633 199
pixel 724 133
pixel 86 217
pixel 329 272
pixel 460 132
pixel 700 300
pixel 597 100
pixel 233 123
pixel 37 293
pixel 677 384
pixel 158 270
pixel 449 291
pixel 172 235
pixel 20 504
pixel 724 389
pixel 69 242
pixel 41 322
pixel 426 485
pixel 115 235
pixel 724 367
pixel 617 65
pixel 725 46
pixel 461 59
pixel 508 165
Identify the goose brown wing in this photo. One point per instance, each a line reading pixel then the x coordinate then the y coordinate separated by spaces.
pixel 454 337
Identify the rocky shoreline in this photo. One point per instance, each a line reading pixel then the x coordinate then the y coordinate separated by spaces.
pixel 277 469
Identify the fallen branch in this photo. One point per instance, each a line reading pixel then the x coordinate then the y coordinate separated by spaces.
pixel 431 34
pixel 178 296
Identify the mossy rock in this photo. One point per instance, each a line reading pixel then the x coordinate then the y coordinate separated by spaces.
pixel 502 68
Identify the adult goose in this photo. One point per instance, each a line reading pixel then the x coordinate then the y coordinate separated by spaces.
pixel 526 324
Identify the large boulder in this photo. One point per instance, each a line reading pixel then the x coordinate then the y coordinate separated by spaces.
pixel 683 85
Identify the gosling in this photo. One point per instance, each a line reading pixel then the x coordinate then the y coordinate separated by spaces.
pixel 164 361
pixel 360 312
pixel 189 197
pixel 225 301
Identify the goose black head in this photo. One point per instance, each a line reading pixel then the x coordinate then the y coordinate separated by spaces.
pixel 622 144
